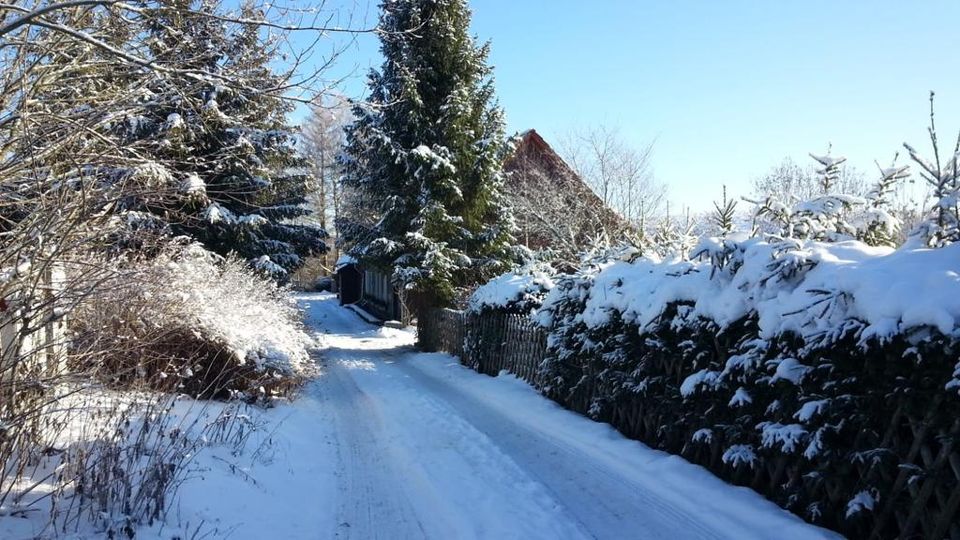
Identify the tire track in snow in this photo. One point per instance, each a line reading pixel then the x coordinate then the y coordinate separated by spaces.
pixel 458 483
pixel 600 499
pixel 370 490
pixel 458 480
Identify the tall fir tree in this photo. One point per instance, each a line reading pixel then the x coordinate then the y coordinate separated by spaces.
pixel 217 121
pixel 426 153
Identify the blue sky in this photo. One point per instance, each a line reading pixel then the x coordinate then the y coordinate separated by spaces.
pixel 725 88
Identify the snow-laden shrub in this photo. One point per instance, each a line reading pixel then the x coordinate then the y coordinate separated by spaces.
pixel 191 322
pixel 805 353
pixel 519 291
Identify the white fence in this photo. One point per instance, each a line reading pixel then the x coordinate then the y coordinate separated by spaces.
pixel 32 334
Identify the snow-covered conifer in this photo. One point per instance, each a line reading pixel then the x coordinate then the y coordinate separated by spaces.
pixel 880 226
pixel 942 227
pixel 724 213
pixel 426 152
pixel 673 237
pixel 825 217
pixel 239 175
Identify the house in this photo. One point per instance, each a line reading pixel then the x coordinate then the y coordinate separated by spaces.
pixel 553 207
pixel 33 335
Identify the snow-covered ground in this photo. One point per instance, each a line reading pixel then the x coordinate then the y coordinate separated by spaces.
pixel 391 443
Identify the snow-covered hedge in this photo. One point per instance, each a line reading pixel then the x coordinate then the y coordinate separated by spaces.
pixel 804 369
pixel 192 322
pixel 518 291
pixel 817 291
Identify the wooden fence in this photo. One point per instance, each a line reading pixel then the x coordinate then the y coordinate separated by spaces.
pixel 489 343
pixel 920 505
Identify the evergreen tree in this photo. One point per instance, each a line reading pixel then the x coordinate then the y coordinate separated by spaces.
pixel 217 123
pixel 673 238
pixel 724 214
pixel 880 226
pixel 427 150
pixel 942 174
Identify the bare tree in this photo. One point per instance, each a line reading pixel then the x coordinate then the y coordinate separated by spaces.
pixel 619 173
pixel 323 137
pixel 788 182
pixel 551 211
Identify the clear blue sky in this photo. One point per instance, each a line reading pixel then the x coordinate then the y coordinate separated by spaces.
pixel 726 88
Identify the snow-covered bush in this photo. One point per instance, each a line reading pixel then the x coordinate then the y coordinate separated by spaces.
pixel 519 291
pixel 767 356
pixel 191 322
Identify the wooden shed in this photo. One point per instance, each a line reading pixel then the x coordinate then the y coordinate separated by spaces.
pixel 348 277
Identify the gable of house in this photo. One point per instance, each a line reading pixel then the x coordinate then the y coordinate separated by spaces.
pixel 553 206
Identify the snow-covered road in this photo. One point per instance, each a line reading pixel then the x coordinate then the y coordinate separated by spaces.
pixel 422 447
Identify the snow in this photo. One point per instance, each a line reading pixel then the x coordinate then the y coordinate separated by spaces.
pixel 248 316
pixel 816 445
pixel 264 264
pixel 484 446
pixel 810 409
pixel 8 273
pixel 702 435
pixel 702 378
pixel 215 213
pixel 828 205
pixel 860 502
pixel 253 220
pixel 739 454
pixel 740 398
pixel 787 437
pixel 214 468
pixel 426 154
pixel 193 185
pixel 345 260
pixel 525 288
pixel 790 369
pixel 806 287
pixel 387 441
pixel 174 121
pixel 829 161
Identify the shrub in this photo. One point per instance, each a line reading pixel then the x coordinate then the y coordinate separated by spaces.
pixel 189 321
pixel 806 370
pixel 518 291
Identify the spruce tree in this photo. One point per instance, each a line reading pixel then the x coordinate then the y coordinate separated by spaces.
pixel 217 122
pixel 426 151
pixel 724 214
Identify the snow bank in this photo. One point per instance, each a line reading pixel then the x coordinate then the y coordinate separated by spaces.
pixel 132 452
